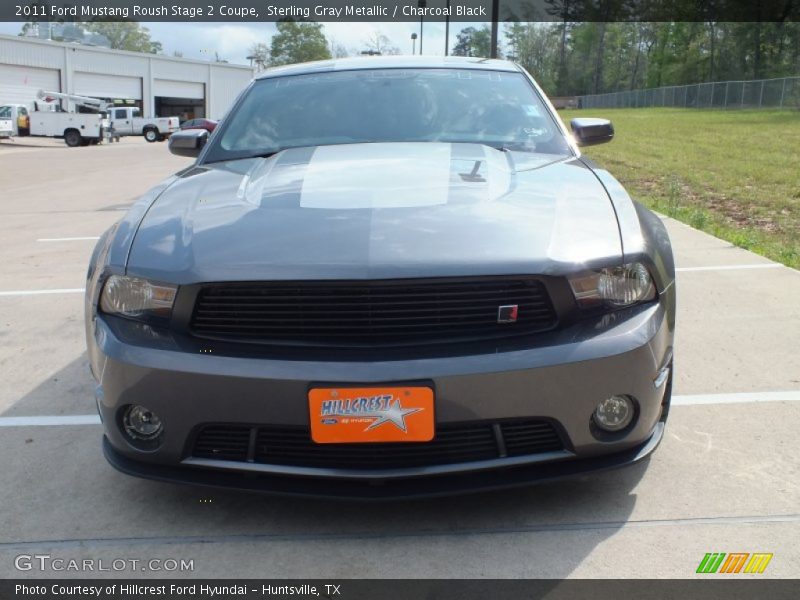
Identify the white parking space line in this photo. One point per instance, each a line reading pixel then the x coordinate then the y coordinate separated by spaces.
pixel 405 533
pixel 689 400
pixel 49 421
pixel 69 239
pixel 740 398
pixel 42 292
pixel 731 267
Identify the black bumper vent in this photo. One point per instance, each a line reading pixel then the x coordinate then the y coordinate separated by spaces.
pixel 454 443
pixel 396 312
pixel 224 442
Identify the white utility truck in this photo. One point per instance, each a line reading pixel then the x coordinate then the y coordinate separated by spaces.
pixel 127 120
pixel 77 129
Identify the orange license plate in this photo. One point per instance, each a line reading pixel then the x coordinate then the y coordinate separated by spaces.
pixel 371 414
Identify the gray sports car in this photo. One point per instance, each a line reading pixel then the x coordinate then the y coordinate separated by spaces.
pixel 383 277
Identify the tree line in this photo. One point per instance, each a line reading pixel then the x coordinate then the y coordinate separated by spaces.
pixel 119 35
pixel 574 58
pixel 301 41
pixel 593 58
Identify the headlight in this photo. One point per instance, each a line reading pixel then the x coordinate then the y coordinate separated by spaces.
pixel 137 298
pixel 615 287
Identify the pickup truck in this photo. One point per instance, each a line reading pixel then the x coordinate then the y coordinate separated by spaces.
pixel 127 121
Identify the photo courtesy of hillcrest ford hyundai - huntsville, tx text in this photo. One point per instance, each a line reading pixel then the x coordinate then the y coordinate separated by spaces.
pixel 383 278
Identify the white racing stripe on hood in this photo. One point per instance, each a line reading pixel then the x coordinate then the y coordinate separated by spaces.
pixel 382 179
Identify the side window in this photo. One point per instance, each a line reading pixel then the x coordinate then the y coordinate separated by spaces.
pixel 119 113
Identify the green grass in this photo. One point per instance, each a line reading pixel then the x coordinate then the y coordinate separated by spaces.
pixel 734 174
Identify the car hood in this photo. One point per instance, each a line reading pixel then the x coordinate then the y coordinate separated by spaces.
pixel 392 210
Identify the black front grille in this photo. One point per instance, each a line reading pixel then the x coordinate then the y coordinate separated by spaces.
pixel 370 312
pixel 454 443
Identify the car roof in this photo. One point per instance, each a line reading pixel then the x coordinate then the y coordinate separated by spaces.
pixel 390 62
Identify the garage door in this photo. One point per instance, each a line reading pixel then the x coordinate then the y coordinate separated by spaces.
pixel 108 86
pixel 169 88
pixel 18 85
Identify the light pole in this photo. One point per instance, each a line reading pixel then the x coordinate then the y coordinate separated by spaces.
pixel 421 4
pixel 413 44
pixel 495 27
pixel 447 30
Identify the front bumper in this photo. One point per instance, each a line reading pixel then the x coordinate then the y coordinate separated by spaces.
pixel 383 489
pixel 560 379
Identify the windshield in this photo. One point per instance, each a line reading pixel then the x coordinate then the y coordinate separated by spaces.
pixel 496 108
pixel 5 112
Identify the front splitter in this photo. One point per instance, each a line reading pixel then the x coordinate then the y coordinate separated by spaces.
pixel 377 489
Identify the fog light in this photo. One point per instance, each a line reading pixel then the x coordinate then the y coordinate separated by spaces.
pixel 142 423
pixel 614 413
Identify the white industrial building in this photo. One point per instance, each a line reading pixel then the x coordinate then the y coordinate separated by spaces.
pixel 160 85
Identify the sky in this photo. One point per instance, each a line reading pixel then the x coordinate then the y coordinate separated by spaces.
pixel 231 41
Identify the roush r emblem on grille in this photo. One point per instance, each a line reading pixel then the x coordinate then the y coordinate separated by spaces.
pixel 508 313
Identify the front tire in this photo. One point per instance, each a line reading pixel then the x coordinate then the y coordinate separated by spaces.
pixel 151 135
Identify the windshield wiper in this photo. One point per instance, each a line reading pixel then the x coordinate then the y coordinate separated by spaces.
pixel 513 147
pixel 246 156
pixel 265 154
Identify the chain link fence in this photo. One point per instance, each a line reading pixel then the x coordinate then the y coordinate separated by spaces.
pixel 758 93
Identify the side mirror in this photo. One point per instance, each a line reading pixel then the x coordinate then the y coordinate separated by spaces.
pixel 188 143
pixel 589 132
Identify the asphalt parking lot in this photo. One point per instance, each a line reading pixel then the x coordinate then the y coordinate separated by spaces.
pixel 725 479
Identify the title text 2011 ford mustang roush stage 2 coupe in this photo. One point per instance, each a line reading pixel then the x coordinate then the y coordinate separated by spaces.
pixel 383 277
